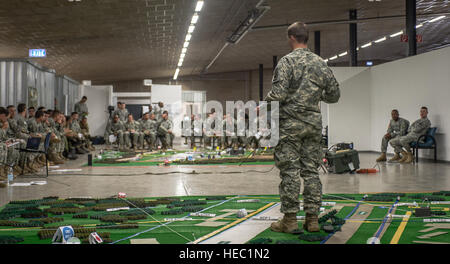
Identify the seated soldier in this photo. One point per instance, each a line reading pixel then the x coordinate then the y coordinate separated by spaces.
pixel 148 130
pixel 132 133
pixel 20 128
pixel 117 129
pixel 37 128
pixel 68 134
pixel 85 131
pixel 196 130
pixel 229 132
pixel 397 128
pixel 242 139
pixel 31 112
pixel 10 145
pixel 165 131
pixel 55 142
pixel 417 129
pixel 208 133
pixel 79 141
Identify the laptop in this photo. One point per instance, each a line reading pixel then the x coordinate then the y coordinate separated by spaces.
pixel 33 143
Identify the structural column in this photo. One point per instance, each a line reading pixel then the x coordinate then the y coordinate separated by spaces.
pixel 353 41
pixel 317 42
pixel 411 26
pixel 261 82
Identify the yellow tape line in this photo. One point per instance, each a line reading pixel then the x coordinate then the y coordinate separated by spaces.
pixel 400 229
pixel 233 223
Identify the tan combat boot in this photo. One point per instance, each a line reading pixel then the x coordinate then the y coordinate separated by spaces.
pixel 404 157
pixel 17 170
pixel 311 223
pixel 395 158
pixel 53 158
pixel 285 225
pixel 409 158
pixel 382 157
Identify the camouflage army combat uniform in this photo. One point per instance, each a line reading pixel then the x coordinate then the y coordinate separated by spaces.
pixel 132 137
pixel 148 132
pixel 301 80
pixel 20 128
pixel 164 135
pixel 122 113
pixel 229 135
pixel 417 129
pixel 81 109
pixel 13 158
pixel 117 129
pixel 396 129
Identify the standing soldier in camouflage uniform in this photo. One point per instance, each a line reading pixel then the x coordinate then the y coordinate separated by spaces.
pixel 229 133
pixel 121 111
pixel 417 129
pixel 165 131
pixel 117 129
pixel 148 130
pixel 159 110
pixel 81 107
pixel 132 133
pixel 397 128
pixel 301 80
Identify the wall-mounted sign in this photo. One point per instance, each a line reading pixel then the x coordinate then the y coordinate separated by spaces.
pixel 37 53
pixel 148 82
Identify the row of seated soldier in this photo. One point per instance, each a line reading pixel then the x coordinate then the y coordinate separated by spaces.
pixel 25 128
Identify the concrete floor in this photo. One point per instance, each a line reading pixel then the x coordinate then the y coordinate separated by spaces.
pixel 251 180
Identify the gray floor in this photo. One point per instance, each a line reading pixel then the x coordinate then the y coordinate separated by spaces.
pixel 251 180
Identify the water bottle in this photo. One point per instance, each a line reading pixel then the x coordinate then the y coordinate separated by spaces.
pixel 10 175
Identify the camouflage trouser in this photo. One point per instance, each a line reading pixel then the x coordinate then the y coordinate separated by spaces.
pixel 384 143
pixel 298 155
pixel 403 142
pixel 208 141
pixel 132 138
pixel 14 156
pixel 150 139
pixel 166 140
pixel 120 139
pixel 242 141
pixel 229 141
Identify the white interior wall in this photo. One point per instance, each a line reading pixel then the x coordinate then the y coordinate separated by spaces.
pixel 348 120
pixel 408 84
pixel 369 94
pixel 171 95
pixel 99 98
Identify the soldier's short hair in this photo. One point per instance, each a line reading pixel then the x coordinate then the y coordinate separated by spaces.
pixel 74 113
pixel 165 112
pixel 38 114
pixel 10 106
pixel 424 107
pixel 41 108
pixel 21 108
pixel 395 110
pixel 56 113
pixel 299 31
pixel 31 107
pixel 4 111
pixel 84 97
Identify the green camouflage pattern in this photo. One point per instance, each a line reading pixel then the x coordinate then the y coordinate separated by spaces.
pixel 301 80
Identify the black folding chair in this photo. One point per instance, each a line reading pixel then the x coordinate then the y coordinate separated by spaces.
pixel 33 147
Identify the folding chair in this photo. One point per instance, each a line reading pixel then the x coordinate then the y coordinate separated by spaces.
pixel 33 147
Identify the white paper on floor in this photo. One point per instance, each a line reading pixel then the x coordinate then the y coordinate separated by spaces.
pixel 66 170
pixel 22 184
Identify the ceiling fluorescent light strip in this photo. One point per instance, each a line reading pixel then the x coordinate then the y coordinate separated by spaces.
pixel 191 29
pixel 343 54
pixel 436 19
pixel 396 34
pixel 380 40
pixel 367 45
pixel 333 58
